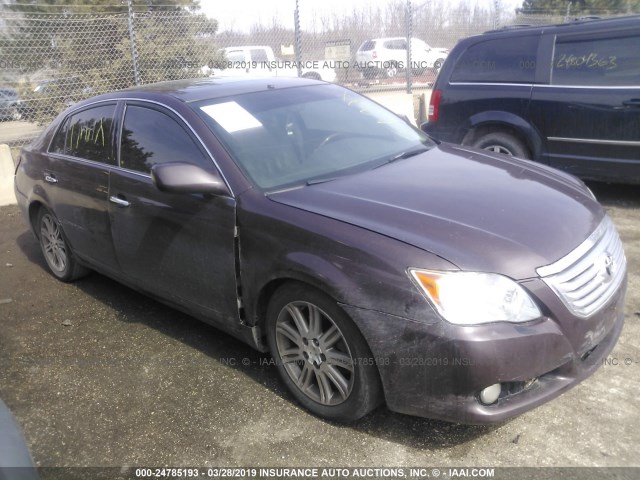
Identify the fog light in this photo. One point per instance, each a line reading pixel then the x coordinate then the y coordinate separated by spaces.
pixel 490 394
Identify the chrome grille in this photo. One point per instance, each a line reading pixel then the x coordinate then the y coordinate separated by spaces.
pixel 587 278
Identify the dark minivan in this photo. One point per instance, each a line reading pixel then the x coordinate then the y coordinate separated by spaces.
pixel 565 95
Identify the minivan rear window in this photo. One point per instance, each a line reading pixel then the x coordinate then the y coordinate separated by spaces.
pixel 498 61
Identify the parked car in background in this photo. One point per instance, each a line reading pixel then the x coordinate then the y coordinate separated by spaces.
pixel 67 89
pixel 312 223
pixel 564 95
pixel 51 95
pixel 259 61
pixel 388 56
pixel 10 104
pixel 15 459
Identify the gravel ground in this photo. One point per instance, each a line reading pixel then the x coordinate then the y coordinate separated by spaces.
pixel 99 375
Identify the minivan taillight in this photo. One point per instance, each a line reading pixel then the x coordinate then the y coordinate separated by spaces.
pixel 434 105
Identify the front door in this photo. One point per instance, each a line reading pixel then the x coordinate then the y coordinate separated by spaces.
pixel 177 246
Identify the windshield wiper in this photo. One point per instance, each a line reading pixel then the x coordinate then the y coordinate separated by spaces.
pixel 316 181
pixel 405 154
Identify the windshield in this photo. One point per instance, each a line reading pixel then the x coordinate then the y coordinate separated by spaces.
pixel 303 135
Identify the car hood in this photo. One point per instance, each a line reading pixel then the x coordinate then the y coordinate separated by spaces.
pixel 481 212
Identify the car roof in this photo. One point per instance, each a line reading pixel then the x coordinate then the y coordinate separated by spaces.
pixel 243 47
pixel 577 25
pixel 384 39
pixel 197 89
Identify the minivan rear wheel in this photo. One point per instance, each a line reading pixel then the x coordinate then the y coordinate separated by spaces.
pixel 500 142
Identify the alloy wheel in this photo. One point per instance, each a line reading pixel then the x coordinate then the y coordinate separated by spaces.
pixel 499 149
pixel 53 244
pixel 314 353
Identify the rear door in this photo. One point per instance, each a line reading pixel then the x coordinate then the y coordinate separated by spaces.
pixel 177 246
pixel 589 112
pixel 81 156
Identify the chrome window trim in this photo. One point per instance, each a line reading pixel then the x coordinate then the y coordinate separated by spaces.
pixel 624 143
pixel 591 87
pixel 493 84
pixel 142 100
pixel 543 85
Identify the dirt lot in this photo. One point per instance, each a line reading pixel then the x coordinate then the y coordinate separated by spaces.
pixel 99 375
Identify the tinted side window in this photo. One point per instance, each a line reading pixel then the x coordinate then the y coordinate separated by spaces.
pixel 87 134
pixel 503 60
pixel 150 137
pixel 599 62
pixel 368 45
pixel 395 44
pixel 259 55
pixel 236 56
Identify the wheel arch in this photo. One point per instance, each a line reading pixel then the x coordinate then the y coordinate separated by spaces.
pixel 35 205
pixel 259 306
pixel 497 121
pixel 306 269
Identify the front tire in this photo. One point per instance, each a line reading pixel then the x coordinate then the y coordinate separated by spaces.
pixel 320 354
pixel 55 248
pixel 391 71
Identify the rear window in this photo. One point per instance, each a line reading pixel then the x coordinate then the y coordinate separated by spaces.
pixel 368 45
pixel 597 62
pixel 503 60
pixel 87 134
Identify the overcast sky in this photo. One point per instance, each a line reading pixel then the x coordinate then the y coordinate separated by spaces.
pixel 241 14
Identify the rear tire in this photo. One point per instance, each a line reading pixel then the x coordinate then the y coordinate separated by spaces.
pixel 391 71
pixel 320 355
pixel 500 142
pixel 55 248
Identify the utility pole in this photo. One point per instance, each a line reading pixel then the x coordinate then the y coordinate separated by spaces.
pixel 409 31
pixel 134 47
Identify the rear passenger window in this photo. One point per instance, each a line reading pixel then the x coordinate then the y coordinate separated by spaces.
pixel 259 55
pixel 150 137
pixel 87 134
pixel 235 56
pixel 398 44
pixel 599 62
pixel 367 46
pixel 510 60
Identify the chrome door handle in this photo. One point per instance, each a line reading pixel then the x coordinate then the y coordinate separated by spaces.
pixel 119 201
pixel 50 179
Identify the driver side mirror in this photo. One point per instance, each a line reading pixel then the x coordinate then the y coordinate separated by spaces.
pixel 180 177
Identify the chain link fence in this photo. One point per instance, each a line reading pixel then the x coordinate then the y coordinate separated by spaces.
pixel 50 60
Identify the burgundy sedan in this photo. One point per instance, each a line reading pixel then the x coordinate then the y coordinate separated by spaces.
pixel 308 221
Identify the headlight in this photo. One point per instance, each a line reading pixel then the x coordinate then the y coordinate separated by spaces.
pixel 470 298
